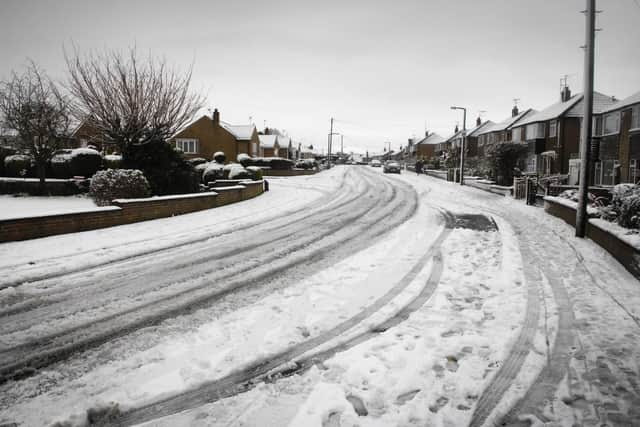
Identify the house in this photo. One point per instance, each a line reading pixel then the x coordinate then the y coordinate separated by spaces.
pixel 499 132
pixel 207 135
pixel 471 143
pixel 307 152
pixel 86 134
pixel 553 134
pixel 285 147
pixel 428 146
pixel 618 131
pixel 269 146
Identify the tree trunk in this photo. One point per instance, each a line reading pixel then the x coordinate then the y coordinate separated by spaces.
pixel 42 171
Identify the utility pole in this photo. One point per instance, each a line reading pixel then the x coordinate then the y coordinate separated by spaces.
pixel 464 137
pixel 581 211
pixel 341 145
pixel 329 145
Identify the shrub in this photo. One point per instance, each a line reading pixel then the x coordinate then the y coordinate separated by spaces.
pixel 255 172
pixel 197 161
pixel 60 164
pixel 200 169
pixel 306 164
pixel 244 159
pixel 229 167
pixel 275 163
pixel 114 184
pixel 166 169
pixel 85 162
pixel 625 203
pixel 239 173
pixel 5 152
pixel 219 157
pixel 112 161
pixel 213 172
pixel 503 158
pixel 18 165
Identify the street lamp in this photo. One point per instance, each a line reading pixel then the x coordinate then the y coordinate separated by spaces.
pixel 389 143
pixel 464 136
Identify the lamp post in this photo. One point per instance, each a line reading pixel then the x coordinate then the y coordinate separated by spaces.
pixel 464 136
pixel 331 146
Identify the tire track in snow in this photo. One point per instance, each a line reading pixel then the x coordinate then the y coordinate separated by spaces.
pixel 241 381
pixel 25 360
pixel 321 203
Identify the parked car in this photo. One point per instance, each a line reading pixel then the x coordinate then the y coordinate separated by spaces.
pixel 376 163
pixel 391 167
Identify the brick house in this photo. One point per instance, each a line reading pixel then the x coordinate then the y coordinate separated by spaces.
pixel 497 133
pixel 553 134
pixel 207 135
pixel 428 146
pixel 618 131
pixel 269 146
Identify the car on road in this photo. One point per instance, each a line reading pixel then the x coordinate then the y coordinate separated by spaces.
pixel 376 163
pixel 391 167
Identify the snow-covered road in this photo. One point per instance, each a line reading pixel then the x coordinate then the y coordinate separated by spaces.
pixel 407 298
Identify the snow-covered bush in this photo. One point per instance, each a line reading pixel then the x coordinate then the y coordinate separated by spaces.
pixel 255 172
pixel 244 159
pixel 200 168
pixel 306 164
pixel 197 161
pixel 85 162
pixel 111 184
pixel 18 165
pixel 213 172
pixel 569 194
pixel 625 203
pixel 219 157
pixel 239 173
pixel 4 152
pixel 275 163
pixel 60 164
pixel 112 161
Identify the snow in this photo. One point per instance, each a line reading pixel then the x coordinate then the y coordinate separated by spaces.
pixel 429 369
pixel 19 207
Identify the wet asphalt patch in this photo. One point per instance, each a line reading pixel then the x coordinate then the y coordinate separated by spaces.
pixel 474 222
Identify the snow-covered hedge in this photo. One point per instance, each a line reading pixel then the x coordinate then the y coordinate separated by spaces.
pixel 213 171
pixel 18 165
pixel 85 162
pixel 114 184
pixel 255 172
pixel 112 161
pixel 219 157
pixel 306 164
pixel 625 206
pixel 275 163
pixel 4 152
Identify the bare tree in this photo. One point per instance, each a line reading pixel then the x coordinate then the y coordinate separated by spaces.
pixel 130 101
pixel 32 105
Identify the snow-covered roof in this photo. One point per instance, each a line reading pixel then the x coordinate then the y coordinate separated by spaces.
pixel 507 123
pixel 626 102
pixel 268 141
pixel 475 131
pixel 601 103
pixel 240 132
pixel 570 108
pixel 433 138
pixel 283 141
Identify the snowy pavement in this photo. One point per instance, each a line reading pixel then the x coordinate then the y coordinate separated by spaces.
pixel 345 298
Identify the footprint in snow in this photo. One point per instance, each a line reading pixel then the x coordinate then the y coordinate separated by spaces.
pixel 405 397
pixel 439 404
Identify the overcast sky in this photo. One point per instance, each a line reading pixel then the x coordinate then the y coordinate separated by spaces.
pixel 382 69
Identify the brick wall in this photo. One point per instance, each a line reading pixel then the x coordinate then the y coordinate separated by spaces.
pixel 124 212
pixel 626 255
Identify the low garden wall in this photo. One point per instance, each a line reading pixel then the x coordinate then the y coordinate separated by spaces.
pixel 125 211
pixel 436 173
pixel 287 172
pixel 626 254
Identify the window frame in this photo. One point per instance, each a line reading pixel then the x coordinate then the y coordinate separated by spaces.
pixel 182 142
pixel 605 131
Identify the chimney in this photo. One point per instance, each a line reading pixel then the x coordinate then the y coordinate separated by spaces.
pixel 216 117
pixel 426 133
pixel 456 130
pixel 514 111
pixel 478 121
pixel 565 94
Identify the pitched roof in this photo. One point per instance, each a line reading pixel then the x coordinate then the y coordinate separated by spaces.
pixel 626 102
pixel 601 102
pixel 475 131
pixel 240 132
pixel 267 141
pixel 433 138
pixel 284 141
pixel 507 123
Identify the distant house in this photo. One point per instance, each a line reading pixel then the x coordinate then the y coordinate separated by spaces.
pixel 208 135
pixel 85 135
pixel 307 152
pixel 618 129
pixel 285 148
pixel 471 143
pixel 269 146
pixel 553 134
pixel 428 146
pixel 497 133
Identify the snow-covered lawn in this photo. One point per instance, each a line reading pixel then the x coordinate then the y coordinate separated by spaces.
pixel 24 206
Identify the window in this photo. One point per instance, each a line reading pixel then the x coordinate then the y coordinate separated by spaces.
pixel 633 171
pixel 254 149
pixel 516 135
pixel 611 123
pixel 635 117
pixel 552 128
pixel 534 131
pixel 187 146
pixel 84 142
